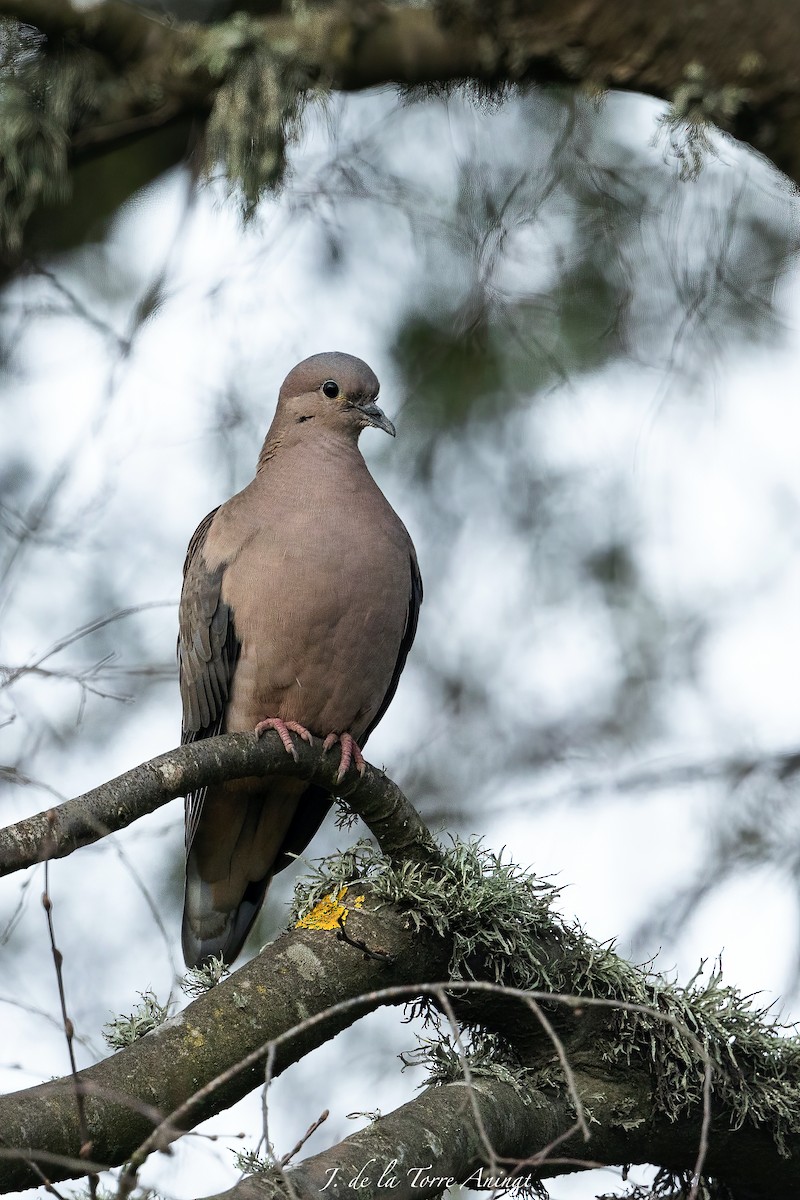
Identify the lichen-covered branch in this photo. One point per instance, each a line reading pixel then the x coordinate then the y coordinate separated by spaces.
pixel 571 1028
pixel 113 73
pixel 302 974
pixel 586 1039
pixel 64 828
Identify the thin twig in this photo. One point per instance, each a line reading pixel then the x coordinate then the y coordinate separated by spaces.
pixel 150 902
pixel 78 307
pixel 11 674
pixel 668 774
pixel 37 1170
pixel 541 1017
pixel 31 1156
pixel 69 1031
pixel 311 1129
pixel 269 1070
pixel 705 1128
pixel 343 936
pixel 33 1011
pixel 444 1000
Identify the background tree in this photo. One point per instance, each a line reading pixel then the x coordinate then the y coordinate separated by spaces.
pixel 589 357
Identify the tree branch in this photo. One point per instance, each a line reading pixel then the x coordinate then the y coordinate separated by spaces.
pixel 113 27
pixel 585 1053
pixel 430 1143
pixel 728 62
pixel 302 974
pixel 217 1049
pixel 433 1142
pixel 60 830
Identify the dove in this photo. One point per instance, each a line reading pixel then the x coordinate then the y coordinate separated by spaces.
pixel 299 607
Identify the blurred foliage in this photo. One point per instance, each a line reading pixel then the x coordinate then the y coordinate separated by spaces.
pixel 257 113
pixel 553 252
pixel 99 186
pixel 42 89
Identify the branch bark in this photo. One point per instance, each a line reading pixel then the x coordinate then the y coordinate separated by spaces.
pixel 303 973
pixel 216 1051
pixel 60 830
pixel 432 1142
pixel 435 1141
pixel 306 986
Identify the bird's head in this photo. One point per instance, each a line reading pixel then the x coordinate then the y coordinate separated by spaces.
pixel 333 390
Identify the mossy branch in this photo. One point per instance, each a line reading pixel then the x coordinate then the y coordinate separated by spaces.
pixel 213 1053
pixel 583 1038
pixel 594 1039
pixel 526 1126
pixel 728 61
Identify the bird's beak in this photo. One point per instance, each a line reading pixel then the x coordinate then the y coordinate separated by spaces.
pixel 376 417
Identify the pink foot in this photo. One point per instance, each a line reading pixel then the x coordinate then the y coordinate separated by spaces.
pixel 351 752
pixel 282 729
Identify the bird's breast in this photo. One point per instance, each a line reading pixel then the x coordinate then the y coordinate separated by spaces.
pixel 319 605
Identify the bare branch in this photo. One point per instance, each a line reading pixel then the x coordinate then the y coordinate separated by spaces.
pixel 298 1146
pixel 428 1144
pixel 69 1030
pixel 60 830
pixel 732 770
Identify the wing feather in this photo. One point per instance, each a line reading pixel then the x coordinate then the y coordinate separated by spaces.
pixel 208 649
pixel 406 642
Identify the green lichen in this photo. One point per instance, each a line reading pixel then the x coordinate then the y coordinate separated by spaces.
pixel 33 132
pixel 51 90
pixel 487 1054
pixel 48 90
pixel 257 109
pixel 122 1031
pixel 697 107
pixel 673 1185
pixel 250 1162
pixel 199 980
pixel 503 928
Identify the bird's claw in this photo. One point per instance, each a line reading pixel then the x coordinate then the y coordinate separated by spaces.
pixel 282 729
pixel 351 753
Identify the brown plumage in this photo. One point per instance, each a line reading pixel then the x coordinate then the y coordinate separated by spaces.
pixel 299 604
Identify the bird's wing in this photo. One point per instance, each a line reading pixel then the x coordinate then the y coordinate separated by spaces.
pixel 412 616
pixel 208 649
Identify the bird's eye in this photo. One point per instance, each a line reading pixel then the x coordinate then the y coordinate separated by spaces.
pixel 331 389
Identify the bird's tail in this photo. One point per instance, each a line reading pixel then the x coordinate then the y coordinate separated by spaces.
pixel 211 932
pixel 230 861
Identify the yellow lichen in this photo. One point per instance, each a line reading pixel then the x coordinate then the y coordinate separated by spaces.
pixel 329 913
